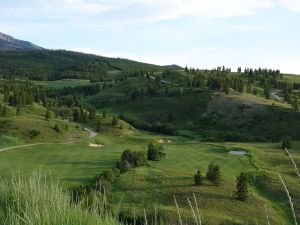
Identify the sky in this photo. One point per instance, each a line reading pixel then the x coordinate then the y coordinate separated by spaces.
pixel 194 33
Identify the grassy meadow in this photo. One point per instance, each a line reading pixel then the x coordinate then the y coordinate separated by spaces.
pixel 156 184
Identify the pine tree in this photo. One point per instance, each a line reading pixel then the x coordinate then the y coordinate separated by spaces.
pixel 4 111
pixel 217 176
pixel 92 113
pixel 214 174
pixel 286 142
pixel 98 126
pixel 152 153
pixel 76 115
pixel 295 104
pixel 242 187
pixel 267 91
pixel 115 121
pixel 198 178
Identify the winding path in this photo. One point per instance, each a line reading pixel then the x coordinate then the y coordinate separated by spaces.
pixel 92 134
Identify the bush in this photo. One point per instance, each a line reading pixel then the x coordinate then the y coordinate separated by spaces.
pixel 123 166
pixel 33 133
pixel 135 159
pixel 109 175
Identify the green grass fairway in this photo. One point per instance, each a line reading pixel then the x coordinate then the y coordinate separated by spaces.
pixel 78 163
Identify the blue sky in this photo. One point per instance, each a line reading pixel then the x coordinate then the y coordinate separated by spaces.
pixel 198 33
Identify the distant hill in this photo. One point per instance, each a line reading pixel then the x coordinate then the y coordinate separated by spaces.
pixel 8 43
pixel 24 59
pixel 61 64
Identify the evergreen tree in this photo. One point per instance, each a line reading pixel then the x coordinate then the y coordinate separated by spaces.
pixel 214 174
pixel 4 111
pixel 286 142
pixel 241 187
pixel 92 113
pixel 295 104
pixel 85 117
pixel 115 121
pixel 267 91
pixel 76 115
pixel 98 126
pixel 152 154
pixel 198 178
pixel 104 113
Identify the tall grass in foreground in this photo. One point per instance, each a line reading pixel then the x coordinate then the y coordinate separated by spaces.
pixel 289 197
pixel 293 162
pixel 40 201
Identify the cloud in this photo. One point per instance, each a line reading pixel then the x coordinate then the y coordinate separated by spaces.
pixel 292 5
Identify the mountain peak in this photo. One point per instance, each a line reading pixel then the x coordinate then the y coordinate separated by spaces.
pixel 9 43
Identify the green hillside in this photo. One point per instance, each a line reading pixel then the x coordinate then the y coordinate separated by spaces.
pixel 133 136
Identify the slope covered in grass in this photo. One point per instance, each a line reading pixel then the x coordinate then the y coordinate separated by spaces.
pixel 141 188
pixel 31 126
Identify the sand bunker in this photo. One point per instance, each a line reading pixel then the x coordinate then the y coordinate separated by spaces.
pixel 238 153
pixel 96 145
pixel 162 141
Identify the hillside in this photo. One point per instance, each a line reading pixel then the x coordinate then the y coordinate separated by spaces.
pixel 8 43
pixel 190 120
pixel 60 64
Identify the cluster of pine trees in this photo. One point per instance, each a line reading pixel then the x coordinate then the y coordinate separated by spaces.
pixel 214 175
pixel 19 93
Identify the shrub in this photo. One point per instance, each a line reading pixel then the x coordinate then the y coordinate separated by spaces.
pixel 109 175
pixel 33 133
pixel 123 166
pixel 135 159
